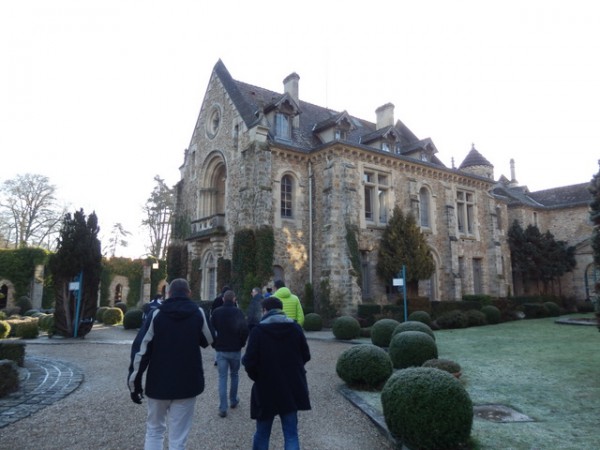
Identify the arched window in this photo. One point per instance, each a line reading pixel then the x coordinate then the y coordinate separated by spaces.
pixel 424 207
pixel 209 277
pixel 287 196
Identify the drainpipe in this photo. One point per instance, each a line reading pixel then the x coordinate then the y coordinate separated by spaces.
pixel 310 224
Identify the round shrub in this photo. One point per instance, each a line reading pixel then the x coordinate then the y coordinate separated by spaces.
pixel 420 316
pixel 382 330
pixel 413 326
pixel 364 366
pixel 100 313
pixel 453 319
pixel 552 308
pixel 345 327
pixel 412 348
pixel 133 319
pixel 427 408
pixel 4 329
pixel 27 329
pixel 443 364
pixel 31 313
pixel 24 303
pixel 475 318
pixel 2 315
pixel 313 322
pixel 122 306
pixel 492 314
pixel 113 316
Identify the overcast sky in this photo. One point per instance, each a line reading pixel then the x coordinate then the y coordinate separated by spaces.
pixel 101 96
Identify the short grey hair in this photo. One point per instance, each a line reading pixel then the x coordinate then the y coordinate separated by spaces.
pixel 179 287
pixel 228 296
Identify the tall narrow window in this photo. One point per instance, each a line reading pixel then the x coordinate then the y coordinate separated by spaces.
pixel 282 126
pixel 287 192
pixel 376 208
pixel 424 207
pixel 465 212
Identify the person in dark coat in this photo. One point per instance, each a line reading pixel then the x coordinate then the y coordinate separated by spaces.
pixel 151 306
pixel 254 312
pixel 275 357
pixel 167 347
pixel 231 333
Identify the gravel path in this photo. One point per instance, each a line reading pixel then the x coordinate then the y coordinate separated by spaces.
pixel 100 415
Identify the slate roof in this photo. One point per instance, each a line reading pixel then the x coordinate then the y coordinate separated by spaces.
pixel 251 101
pixel 474 158
pixel 560 197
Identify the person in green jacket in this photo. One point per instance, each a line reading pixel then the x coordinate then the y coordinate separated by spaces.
pixel 291 304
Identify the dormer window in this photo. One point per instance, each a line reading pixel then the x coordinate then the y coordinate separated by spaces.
pixel 340 135
pixel 385 146
pixel 282 126
pixel 397 148
pixel 424 157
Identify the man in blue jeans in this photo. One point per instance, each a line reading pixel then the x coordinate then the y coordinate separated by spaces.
pixel 231 333
pixel 275 357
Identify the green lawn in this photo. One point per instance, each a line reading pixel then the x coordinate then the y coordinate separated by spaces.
pixel 547 371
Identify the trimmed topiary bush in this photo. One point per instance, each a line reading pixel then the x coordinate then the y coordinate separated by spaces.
pixel 24 304
pixel 100 313
pixel 4 329
pixel 27 329
pixel 453 319
pixel 364 366
pixel 475 318
pixel 492 314
pixel 133 319
pixel 13 350
pixel 444 364
pixel 412 349
pixel 122 306
pixel 345 327
pixel 382 330
pixel 113 316
pixel 413 326
pixel 313 322
pixel 427 408
pixel 552 308
pixel 9 377
pixel 420 316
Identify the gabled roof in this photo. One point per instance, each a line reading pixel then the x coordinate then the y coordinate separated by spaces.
pixel 251 102
pixel 332 121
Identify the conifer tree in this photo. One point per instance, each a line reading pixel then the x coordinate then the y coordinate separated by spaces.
pixel 403 243
pixel 78 258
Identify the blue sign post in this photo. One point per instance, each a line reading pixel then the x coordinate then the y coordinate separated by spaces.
pixel 76 286
pixel 400 281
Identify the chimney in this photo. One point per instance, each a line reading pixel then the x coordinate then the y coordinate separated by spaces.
pixel 290 86
pixel 513 178
pixel 385 116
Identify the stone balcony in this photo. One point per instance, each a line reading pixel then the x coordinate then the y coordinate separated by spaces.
pixel 207 226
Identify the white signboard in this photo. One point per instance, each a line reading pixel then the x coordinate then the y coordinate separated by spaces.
pixel 74 286
pixel 398 282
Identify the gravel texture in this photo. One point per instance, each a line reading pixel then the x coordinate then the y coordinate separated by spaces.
pixel 100 415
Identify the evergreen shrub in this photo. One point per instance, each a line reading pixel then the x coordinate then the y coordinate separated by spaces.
pixel 367 312
pixel 24 304
pixel 100 313
pixel 453 319
pixel 420 316
pixel 492 314
pixel 443 364
pixel 9 377
pixel 364 366
pixel 2 315
pixel 4 329
pixel 475 318
pixel 132 319
pixel 13 350
pixel 113 316
pixel 27 329
pixel 427 408
pixel 313 322
pixel 552 308
pixel 382 330
pixel 345 327
pixel 411 349
pixel 122 306
pixel 413 325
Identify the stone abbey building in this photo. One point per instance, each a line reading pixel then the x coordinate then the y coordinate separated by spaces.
pixel 263 158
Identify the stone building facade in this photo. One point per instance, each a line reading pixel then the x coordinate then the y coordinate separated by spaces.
pixel 261 158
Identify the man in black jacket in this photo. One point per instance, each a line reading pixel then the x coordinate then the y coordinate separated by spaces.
pixel 275 357
pixel 231 332
pixel 168 347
